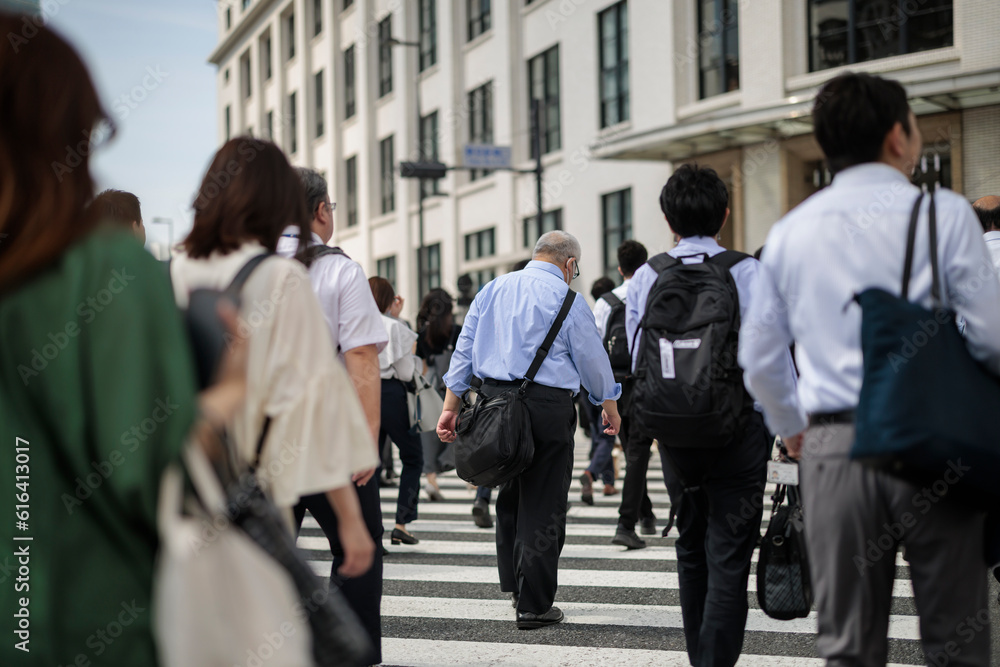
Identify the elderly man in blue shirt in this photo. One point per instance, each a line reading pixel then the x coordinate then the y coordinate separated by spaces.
pixel 506 324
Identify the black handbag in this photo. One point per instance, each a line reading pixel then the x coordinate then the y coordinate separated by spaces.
pixel 784 589
pixel 494 443
pixel 339 640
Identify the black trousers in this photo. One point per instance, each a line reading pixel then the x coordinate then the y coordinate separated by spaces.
pixel 531 509
pixel 718 517
pixel 363 593
pixel 396 424
pixel 635 503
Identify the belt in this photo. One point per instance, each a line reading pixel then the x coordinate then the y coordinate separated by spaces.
pixel 830 418
pixel 531 386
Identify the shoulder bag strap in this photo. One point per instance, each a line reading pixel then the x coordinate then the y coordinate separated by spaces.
pixel 935 276
pixel 260 442
pixel 551 336
pixel 911 237
pixel 314 252
pixel 244 273
pixel 612 299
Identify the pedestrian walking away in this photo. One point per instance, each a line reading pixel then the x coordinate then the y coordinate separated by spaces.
pixel 507 321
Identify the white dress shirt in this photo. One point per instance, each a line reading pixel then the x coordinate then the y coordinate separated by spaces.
pixel 318 435
pixel 993 244
pixel 602 309
pixel 344 296
pixel 692 250
pixel 844 239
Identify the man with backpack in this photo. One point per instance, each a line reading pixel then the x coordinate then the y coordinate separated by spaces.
pixel 683 316
pixel 848 238
pixel 357 335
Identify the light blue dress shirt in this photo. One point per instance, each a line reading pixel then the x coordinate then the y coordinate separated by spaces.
pixel 506 325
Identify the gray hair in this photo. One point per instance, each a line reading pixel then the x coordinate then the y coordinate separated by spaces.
pixel 558 246
pixel 315 187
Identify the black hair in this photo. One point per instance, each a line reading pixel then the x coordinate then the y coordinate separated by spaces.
pixel 435 319
pixel 631 255
pixel 601 286
pixel 695 201
pixel 852 115
pixel 988 217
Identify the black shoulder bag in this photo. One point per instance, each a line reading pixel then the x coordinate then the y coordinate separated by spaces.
pixel 494 443
pixel 784 589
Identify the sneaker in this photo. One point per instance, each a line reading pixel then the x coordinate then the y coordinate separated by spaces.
pixel 587 482
pixel 647 526
pixel 628 539
pixel 481 514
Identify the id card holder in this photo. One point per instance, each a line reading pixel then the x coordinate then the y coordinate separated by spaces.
pixel 779 472
pixel 667 369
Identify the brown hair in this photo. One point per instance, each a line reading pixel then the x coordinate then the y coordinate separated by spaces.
pixel 383 292
pixel 118 206
pixel 48 119
pixel 250 192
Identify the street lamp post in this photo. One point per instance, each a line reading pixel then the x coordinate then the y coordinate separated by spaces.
pixel 169 222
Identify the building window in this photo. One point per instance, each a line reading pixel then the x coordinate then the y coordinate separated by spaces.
pixel 317 17
pixel 348 3
pixel 290 35
pixel 349 89
pixel 319 103
pixel 430 268
pixel 428 33
pixel 428 149
pixel 844 32
pixel 246 5
pixel 245 78
pixel 718 47
pixel 229 123
pixel 386 268
pixel 270 126
pixel 613 27
pixel 351 176
pixel 479 17
pixel 388 180
pixel 481 121
pixel 616 213
pixel 479 244
pixel 225 75
pixel 265 57
pixel 229 18
pixel 543 85
pixel 384 56
pixel 480 278
pixel 293 143
pixel 551 221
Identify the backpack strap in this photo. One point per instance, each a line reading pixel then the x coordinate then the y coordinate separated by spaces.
pixel 550 337
pixel 612 299
pixel 244 274
pixel 729 258
pixel 662 261
pixel 314 252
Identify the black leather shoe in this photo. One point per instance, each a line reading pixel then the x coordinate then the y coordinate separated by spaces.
pixel 647 526
pixel 628 539
pixel 528 621
pixel 403 537
pixel 514 599
pixel 587 482
pixel 481 514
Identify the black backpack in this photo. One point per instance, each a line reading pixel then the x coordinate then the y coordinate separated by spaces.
pixel 314 252
pixel 688 388
pixel 615 338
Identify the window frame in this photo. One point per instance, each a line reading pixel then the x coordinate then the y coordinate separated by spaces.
pixel 387 174
pixel 246 76
pixel 481 121
pixel 480 20
pixel 480 244
pixel 319 106
pixel 430 186
pixel 317 17
pixel 384 57
pixel 350 83
pixel 265 59
pixel 551 136
pixel 430 276
pixel 290 31
pixel 529 224
pixel 351 187
pixel 385 267
pixel 293 139
pixel 622 199
pixel 619 70
pixel 427 9
pixel 727 30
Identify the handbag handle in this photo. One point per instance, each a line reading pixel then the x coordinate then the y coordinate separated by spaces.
pixel 911 236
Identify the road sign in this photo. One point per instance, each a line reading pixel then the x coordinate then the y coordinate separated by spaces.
pixel 485 156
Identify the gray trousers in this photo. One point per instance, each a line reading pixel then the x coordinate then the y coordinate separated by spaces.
pixel 856 518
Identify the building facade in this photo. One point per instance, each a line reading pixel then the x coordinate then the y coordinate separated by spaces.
pixel 319 77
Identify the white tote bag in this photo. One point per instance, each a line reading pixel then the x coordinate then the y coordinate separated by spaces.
pixel 218 599
pixel 426 405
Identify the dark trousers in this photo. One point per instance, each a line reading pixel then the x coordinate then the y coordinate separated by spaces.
pixel 718 517
pixel 396 424
pixel 484 493
pixel 635 503
pixel 531 509
pixel 602 448
pixel 364 593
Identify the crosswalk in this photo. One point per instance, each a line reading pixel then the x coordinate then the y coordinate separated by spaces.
pixel 442 603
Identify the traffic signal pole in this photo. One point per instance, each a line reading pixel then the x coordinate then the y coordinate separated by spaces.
pixel 536 141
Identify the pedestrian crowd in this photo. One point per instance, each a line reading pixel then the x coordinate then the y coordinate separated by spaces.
pixel 312 378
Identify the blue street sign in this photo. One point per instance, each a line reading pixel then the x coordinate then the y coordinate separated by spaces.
pixel 485 156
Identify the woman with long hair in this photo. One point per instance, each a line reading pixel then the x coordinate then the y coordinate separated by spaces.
pixel 97 385
pixel 397 367
pixel 302 424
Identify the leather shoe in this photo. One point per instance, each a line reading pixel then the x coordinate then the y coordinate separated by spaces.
pixel 587 482
pixel 628 539
pixel 528 621
pixel 481 514
pixel 647 526
pixel 610 490
pixel 403 537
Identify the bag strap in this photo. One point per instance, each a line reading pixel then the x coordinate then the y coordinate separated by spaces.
pixel 260 443
pixel 935 276
pixel 911 236
pixel 662 261
pixel 612 299
pixel 244 273
pixel 727 259
pixel 550 337
pixel 314 252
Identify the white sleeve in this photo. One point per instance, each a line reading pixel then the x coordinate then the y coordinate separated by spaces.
pixel 602 311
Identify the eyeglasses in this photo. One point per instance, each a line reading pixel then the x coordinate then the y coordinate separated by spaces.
pixel 576 268
pixel 331 206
